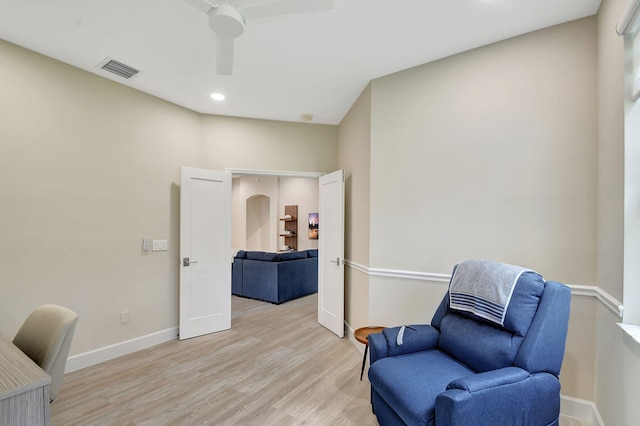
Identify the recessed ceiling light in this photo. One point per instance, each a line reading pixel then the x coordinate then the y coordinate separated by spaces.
pixel 217 96
pixel 306 117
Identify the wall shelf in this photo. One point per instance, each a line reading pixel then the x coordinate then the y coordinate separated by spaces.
pixel 290 231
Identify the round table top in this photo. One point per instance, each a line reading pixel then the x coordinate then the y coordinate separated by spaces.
pixel 362 334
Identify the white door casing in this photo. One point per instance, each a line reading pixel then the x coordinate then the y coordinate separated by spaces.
pixel 331 252
pixel 205 252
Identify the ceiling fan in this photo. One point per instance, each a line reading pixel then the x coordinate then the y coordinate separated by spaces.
pixel 228 20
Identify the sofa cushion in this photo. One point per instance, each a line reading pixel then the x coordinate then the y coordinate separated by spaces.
pixel 410 383
pixel 522 306
pixel 291 255
pixel 261 255
pixel 241 254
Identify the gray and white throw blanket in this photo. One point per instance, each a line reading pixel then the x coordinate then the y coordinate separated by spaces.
pixel 484 288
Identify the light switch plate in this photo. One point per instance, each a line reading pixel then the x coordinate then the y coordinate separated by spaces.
pixel 160 245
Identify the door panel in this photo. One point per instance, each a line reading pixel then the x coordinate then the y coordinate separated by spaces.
pixel 205 252
pixel 331 252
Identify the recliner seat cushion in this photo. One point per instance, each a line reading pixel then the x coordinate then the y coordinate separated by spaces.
pixel 410 383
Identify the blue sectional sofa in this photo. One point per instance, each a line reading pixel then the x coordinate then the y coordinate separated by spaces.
pixel 274 277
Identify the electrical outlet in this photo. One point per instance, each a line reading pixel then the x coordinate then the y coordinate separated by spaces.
pixel 146 244
pixel 124 317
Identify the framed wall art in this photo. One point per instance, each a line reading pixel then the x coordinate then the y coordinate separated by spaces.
pixel 313 226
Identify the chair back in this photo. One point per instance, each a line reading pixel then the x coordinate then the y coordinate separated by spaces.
pixel 532 335
pixel 45 337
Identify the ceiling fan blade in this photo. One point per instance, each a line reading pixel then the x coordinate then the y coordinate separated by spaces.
pixel 285 7
pixel 248 3
pixel 224 56
pixel 201 5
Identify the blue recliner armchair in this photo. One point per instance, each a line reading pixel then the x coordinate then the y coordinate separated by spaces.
pixel 466 369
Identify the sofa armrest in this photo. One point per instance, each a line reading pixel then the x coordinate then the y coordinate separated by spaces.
pixel 506 396
pixel 416 338
pixel 236 277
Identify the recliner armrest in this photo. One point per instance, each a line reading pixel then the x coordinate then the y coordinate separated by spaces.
pixel 415 339
pixel 489 379
pixel 507 396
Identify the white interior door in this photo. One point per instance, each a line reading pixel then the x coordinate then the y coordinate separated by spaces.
pixel 331 252
pixel 205 252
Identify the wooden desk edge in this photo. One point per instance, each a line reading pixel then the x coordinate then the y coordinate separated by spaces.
pixel 18 373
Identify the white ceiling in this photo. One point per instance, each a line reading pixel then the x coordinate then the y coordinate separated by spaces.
pixel 285 66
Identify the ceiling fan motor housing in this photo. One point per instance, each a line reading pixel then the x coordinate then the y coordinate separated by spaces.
pixel 226 21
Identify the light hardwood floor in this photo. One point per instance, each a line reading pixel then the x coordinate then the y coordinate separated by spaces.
pixel 276 366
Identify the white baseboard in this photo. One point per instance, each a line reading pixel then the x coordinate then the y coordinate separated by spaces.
pixel 352 338
pixel 580 409
pixel 87 359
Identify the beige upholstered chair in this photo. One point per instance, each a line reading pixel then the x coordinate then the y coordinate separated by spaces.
pixel 45 337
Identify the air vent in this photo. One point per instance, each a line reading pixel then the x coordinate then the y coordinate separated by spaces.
pixel 118 68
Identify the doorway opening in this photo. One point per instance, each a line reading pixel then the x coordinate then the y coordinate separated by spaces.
pixel 206 205
pixel 257 223
pixel 258 201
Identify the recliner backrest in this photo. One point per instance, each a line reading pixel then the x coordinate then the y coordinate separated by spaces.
pixel 543 346
pixel 481 344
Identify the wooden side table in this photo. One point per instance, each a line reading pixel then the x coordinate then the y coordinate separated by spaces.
pixel 362 336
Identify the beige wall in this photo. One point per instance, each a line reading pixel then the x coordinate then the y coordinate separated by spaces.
pixel 354 135
pixel 394 301
pixel 241 143
pixel 492 155
pixel 88 168
pixel 578 369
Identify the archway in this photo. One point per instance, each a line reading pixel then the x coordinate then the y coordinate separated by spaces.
pixel 257 223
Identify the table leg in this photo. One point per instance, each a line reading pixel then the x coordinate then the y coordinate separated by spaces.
pixel 364 359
